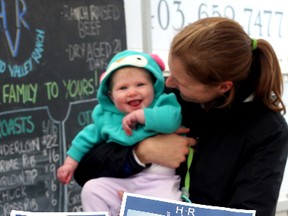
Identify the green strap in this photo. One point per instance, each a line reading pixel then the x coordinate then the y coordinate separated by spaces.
pixel 189 162
pixel 185 189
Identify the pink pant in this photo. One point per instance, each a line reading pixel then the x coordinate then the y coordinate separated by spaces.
pixel 102 194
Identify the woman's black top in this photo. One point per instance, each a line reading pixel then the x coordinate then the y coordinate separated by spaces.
pixel 238 162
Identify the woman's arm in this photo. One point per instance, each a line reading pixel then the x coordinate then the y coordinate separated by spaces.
pixel 107 160
pixel 166 149
pixel 258 183
pixel 114 160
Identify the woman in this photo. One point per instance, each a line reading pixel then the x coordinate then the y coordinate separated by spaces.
pixel 229 87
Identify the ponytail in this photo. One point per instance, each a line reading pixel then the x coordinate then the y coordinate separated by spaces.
pixel 270 86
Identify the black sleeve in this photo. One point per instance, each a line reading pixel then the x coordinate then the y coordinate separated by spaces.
pixel 107 160
pixel 258 183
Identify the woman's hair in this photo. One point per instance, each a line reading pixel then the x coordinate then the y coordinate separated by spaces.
pixel 217 49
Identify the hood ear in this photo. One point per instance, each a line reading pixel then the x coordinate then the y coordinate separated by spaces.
pixel 159 61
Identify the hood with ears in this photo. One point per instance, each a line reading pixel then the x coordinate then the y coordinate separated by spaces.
pixel 151 63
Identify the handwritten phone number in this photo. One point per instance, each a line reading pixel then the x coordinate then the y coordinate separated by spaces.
pixel 264 22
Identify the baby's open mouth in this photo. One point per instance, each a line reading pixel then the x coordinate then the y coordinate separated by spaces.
pixel 134 102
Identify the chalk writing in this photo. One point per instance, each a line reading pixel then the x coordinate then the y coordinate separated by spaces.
pixel 51 56
pixel 78 88
pixel 16 126
pixel 20 147
pixel 28 161
pixel 89 28
pixel 85 118
pixel 19 14
pixel 49 127
pixel 20 204
pixel 91 12
pixel 96 54
pixel 21 70
pixel 16 193
pixel 24 177
pixel 8 165
pixel 52 90
pixel 28 93
pixel 19 93
pixel 89 18
pixel 2 66
pixel 25 162
pixel 28 66
pixel 74 199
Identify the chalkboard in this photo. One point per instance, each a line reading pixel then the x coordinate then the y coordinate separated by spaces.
pixel 51 55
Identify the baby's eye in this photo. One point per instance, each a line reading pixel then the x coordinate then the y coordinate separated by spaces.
pixel 140 84
pixel 122 88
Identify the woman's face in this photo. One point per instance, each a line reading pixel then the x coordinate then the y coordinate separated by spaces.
pixel 190 89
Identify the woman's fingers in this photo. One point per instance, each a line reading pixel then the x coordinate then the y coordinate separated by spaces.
pixel 166 149
pixel 182 130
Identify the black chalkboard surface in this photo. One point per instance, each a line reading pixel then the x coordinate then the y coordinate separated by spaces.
pixel 51 55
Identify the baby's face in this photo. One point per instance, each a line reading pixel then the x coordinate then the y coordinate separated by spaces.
pixel 132 89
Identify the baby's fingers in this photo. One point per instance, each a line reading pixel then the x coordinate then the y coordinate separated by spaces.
pixel 62 175
pixel 126 127
pixel 68 178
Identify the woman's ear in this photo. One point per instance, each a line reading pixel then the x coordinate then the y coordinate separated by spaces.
pixel 225 86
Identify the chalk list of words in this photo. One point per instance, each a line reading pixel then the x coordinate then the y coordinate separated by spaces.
pixel 50 64
pixel 28 165
pixel 90 24
pixel 95 54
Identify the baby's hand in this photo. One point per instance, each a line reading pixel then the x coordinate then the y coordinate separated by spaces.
pixel 130 121
pixel 65 173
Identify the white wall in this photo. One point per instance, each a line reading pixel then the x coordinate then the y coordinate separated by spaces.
pixel 262 18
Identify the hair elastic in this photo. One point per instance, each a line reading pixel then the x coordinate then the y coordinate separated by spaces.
pixel 254 44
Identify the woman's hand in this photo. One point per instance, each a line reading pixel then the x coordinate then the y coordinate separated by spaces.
pixel 165 149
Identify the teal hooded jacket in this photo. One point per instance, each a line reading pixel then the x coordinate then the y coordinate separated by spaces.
pixel 162 116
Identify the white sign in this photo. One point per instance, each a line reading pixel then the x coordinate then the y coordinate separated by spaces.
pixel 138 205
pixel 26 213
